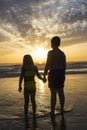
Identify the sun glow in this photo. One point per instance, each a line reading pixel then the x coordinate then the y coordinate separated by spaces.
pixel 39 55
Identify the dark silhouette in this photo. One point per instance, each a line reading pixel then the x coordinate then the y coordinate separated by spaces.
pixel 55 67
pixel 28 71
pixel 60 125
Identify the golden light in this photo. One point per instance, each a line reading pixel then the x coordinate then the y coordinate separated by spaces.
pixel 76 52
pixel 39 55
pixel 41 86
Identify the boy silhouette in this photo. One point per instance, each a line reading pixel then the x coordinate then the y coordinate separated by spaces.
pixel 55 67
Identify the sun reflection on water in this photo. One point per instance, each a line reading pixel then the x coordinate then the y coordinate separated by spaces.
pixel 41 86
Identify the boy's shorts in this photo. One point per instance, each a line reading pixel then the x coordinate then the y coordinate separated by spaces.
pixel 56 78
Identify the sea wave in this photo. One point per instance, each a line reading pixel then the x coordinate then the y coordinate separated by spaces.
pixel 13 70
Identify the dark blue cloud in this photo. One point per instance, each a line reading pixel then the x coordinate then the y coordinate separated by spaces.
pixel 43 19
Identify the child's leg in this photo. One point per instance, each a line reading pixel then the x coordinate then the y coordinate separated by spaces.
pixel 34 108
pixel 26 103
pixel 33 102
pixel 53 100
pixel 61 98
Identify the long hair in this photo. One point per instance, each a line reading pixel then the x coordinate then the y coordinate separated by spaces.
pixel 27 60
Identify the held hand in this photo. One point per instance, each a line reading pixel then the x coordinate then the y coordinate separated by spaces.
pixel 20 89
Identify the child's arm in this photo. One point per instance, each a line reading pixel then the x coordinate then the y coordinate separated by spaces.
pixel 20 81
pixel 37 73
pixel 47 65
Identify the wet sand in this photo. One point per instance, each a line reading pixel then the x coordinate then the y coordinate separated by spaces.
pixel 11 105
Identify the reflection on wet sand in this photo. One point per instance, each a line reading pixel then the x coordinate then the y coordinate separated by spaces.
pixel 58 126
pixel 34 125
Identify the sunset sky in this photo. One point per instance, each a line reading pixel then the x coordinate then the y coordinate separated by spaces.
pixel 26 27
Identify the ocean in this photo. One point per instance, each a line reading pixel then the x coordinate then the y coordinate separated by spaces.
pixel 11 101
pixel 13 70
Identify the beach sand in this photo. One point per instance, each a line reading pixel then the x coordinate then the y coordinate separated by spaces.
pixel 11 105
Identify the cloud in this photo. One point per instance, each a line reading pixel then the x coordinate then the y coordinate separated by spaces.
pixel 4 38
pixel 32 23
